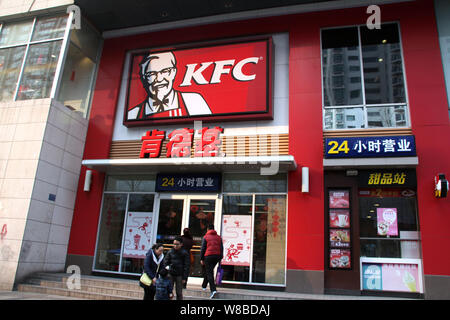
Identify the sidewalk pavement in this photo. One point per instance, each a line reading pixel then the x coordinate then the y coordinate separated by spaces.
pixel 19 295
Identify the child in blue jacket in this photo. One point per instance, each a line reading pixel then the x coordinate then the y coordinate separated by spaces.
pixel 164 286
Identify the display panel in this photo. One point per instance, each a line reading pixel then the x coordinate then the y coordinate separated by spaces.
pixel 213 81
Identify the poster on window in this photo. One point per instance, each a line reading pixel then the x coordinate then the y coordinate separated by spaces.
pixel 339 219
pixel 339 199
pixel 340 238
pixel 340 258
pixel 391 277
pixel 387 222
pixel 236 236
pixel 138 234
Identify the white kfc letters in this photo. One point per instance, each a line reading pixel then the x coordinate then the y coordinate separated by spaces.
pixel 219 70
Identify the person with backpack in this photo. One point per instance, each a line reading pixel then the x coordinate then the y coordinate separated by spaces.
pixel 211 254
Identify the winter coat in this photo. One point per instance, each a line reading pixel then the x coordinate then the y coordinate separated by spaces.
pixel 178 262
pixel 164 287
pixel 151 263
pixel 211 245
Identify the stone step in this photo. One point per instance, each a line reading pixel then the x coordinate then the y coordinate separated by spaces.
pixel 76 294
pixel 96 287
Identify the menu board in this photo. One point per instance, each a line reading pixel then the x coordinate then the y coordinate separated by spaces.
pixel 339 229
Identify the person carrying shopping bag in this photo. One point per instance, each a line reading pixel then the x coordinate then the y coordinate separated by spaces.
pixel 152 262
pixel 210 255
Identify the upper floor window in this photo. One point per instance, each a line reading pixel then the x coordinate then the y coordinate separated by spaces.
pixel 370 89
pixel 29 54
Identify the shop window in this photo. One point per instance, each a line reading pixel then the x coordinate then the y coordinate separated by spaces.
pixel 388 223
pixel 254 234
pixel 29 53
pixel 130 183
pixel 371 81
pixel 79 69
pixel 248 182
pixel 109 241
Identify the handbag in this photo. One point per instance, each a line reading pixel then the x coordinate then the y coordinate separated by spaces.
pixel 219 275
pixel 145 279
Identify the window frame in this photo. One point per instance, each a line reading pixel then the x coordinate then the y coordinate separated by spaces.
pixel 62 53
pixel 365 106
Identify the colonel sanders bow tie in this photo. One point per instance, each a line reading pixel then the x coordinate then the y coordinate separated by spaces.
pixel 159 105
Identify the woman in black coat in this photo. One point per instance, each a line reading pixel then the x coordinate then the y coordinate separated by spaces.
pixel 153 259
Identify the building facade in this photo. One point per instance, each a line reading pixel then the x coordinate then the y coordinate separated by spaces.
pixel 309 140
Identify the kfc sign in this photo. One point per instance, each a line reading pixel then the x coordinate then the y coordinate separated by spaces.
pixel 210 83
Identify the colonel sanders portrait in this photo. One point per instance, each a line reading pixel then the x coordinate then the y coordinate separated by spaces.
pixel 157 73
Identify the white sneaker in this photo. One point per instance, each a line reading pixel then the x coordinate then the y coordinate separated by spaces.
pixel 213 294
pixel 203 289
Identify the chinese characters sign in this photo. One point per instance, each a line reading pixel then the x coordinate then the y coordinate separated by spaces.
pixel 212 82
pixel 387 178
pixel 365 147
pixel 180 142
pixel 236 235
pixel 188 182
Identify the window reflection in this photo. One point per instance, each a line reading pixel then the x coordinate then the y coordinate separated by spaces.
pixel 341 67
pixel 17 33
pixel 40 66
pixel 10 63
pixel 110 234
pixel 49 28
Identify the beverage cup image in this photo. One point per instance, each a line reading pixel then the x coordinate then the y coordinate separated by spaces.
pixel 342 220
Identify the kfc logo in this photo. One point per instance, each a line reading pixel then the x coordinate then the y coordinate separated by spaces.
pixel 210 83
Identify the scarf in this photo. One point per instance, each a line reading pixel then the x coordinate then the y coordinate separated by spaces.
pixel 157 260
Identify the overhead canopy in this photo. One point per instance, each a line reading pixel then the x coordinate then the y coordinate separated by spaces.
pixel 109 15
pixel 266 165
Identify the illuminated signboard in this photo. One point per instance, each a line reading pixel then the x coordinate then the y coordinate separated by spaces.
pixel 387 178
pixel 180 142
pixel 208 82
pixel 365 147
pixel 204 182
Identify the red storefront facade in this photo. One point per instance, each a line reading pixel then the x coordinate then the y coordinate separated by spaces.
pixel 307 267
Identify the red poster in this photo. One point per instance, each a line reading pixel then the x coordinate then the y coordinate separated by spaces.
pixel 339 219
pixel 340 259
pixel 210 82
pixel 340 238
pixel 339 199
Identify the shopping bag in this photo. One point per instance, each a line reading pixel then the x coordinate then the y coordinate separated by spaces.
pixel 219 275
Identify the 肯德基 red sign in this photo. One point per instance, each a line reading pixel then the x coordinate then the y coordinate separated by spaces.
pixel 211 82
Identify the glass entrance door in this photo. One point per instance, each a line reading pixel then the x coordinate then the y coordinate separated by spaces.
pixel 177 212
pixel 202 212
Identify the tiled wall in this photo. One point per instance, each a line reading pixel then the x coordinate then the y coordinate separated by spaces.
pixel 18 7
pixel 41 147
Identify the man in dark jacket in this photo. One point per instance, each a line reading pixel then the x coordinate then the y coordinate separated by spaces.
pixel 177 263
pixel 211 254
